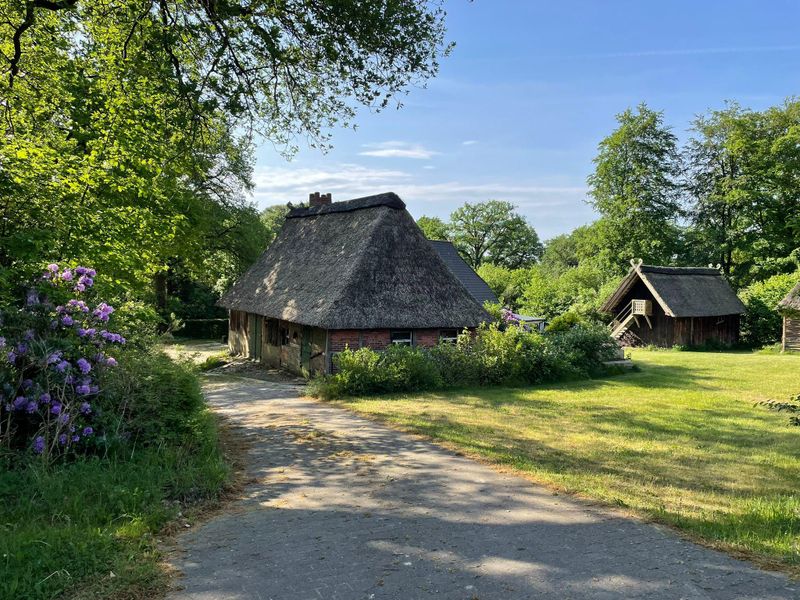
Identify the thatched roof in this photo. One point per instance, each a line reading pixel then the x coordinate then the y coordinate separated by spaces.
pixel 360 264
pixel 476 286
pixel 681 291
pixel 791 304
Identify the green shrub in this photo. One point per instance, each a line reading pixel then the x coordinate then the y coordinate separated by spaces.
pixel 762 323
pixel 149 398
pixel 565 321
pixel 489 356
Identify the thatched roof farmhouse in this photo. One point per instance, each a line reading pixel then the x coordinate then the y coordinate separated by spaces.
pixel 789 307
pixel 667 306
pixel 355 273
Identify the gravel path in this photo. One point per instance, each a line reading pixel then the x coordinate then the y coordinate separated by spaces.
pixel 343 508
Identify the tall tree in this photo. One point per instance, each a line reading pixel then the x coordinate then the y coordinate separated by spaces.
pixel 433 228
pixel 493 232
pixel 744 186
pixel 129 125
pixel 635 189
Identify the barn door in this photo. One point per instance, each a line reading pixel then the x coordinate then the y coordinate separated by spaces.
pixel 305 349
pixel 254 338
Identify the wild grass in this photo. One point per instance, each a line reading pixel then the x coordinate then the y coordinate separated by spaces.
pixel 88 528
pixel 680 442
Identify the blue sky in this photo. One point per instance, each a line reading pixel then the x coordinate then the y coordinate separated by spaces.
pixel 518 109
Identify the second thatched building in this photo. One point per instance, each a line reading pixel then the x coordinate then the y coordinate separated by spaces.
pixel 352 274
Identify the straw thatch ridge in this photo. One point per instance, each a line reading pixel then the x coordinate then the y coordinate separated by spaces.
pixel 475 285
pixel 362 264
pixel 791 304
pixel 682 291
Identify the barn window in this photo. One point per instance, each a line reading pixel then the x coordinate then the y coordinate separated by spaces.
pixel 272 333
pixel 284 336
pixel 401 337
pixel 448 336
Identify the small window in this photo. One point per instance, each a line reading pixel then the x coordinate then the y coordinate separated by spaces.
pixel 448 336
pixel 401 338
pixel 284 336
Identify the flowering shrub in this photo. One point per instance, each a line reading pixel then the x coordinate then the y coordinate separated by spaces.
pixel 52 351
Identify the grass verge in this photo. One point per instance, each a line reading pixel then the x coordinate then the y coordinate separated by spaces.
pixel 88 529
pixel 679 442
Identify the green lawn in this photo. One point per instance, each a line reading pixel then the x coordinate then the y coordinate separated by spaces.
pixel 679 442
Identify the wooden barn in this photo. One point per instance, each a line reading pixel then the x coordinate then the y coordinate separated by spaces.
pixel 789 307
pixel 346 274
pixel 668 306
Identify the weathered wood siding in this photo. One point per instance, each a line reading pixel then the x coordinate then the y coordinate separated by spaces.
pixel 791 333
pixel 668 331
pixel 238 329
pixel 282 347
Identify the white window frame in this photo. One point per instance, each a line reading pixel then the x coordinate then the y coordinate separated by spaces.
pixel 447 338
pixel 409 341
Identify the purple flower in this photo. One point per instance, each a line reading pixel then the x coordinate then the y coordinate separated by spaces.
pixel 64 418
pixel 2 342
pixel 79 304
pixel 91 272
pixel 22 348
pixel 66 275
pixel 62 366
pixel 87 332
pixel 45 398
pixel 52 267
pixel 67 320
pixel 86 408
pixel 103 311
pixel 62 439
pixel 20 402
pixel 56 408
pixel 32 299
pixel 12 356
pixel 76 438
pixel 54 357
pixel 31 407
pixel 27 384
pixel 87 431
pixel 69 379
pixel 79 287
pixel 83 390
pixel 80 270
pixel 111 361
pixel 38 445
pixel 84 365
pixel 60 309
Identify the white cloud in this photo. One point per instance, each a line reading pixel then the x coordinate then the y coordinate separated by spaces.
pixel 395 149
pixel 469 142
pixel 550 209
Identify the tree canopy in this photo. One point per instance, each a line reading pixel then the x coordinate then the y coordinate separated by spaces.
pixel 130 124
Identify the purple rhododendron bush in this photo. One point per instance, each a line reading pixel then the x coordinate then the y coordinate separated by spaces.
pixel 103 439
pixel 56 349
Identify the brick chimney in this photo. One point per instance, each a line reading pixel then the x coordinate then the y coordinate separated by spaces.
pixel 317 199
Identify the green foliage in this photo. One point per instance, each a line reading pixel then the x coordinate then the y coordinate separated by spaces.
pixel 580 289
pixel 635 189
pixel 565 322
pixel 762 325
pixel 433 228
pixel 491 356
pixel 147 398
pixel 743 180
pixel 493 232
pixel 507 284
pixel 68 527
pixel 130 126
pixel 791 406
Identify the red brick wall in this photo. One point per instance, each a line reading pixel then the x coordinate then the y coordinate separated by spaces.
pixel 342 338
pixel 377 339
pixel 427 338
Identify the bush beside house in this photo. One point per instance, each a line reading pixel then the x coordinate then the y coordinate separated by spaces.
pixel 490 356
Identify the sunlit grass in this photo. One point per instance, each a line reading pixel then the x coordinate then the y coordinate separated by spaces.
pixel 680 442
